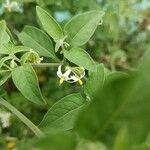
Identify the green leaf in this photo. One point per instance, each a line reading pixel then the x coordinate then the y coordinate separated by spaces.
pixel 10 35
pixel 49 24
pixel 124 101
pixel 81 27
pixel 4 37
pixel 18 49
pixel 121 141
pixel 63 141
pixel 91 145
pixel 95 81
pixel 62 115
pixel 37 40
pixel 114 75
pixel 26 81
pixel 80 57
pixel 142 146
pixel 10 48
pixel 7 48
pixel 102 110
pixel 3 60
pixel 4 77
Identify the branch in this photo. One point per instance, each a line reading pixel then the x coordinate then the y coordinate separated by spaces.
pixel 46 64
pixel 23 118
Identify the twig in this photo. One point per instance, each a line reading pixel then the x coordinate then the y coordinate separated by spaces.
pixel 23 118
pixel 46 64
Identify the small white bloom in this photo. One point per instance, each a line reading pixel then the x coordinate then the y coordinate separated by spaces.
pixel 5 119
pixel 70 75
pixel 8 5
pixel 12 6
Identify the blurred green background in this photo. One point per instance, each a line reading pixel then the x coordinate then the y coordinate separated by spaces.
pixel 119 43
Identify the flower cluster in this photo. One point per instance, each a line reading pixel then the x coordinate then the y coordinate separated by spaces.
pixel 70 74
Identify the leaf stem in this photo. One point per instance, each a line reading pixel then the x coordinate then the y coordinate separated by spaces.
pixel 46 64
pixel 23 118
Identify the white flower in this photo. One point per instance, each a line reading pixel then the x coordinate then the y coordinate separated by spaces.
pixel 12 6
pixel 71 74
pixel 5 119
pixel 8 5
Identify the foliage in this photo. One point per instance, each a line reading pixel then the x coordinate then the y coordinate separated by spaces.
pixel 100 48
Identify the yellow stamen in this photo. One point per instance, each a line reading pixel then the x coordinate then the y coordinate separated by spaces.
pixel 11 145
pixel 80 82
pixel 61 81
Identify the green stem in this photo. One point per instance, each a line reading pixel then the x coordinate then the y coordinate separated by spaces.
pixel 23 118
pixel 46 64
pixel 7 67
